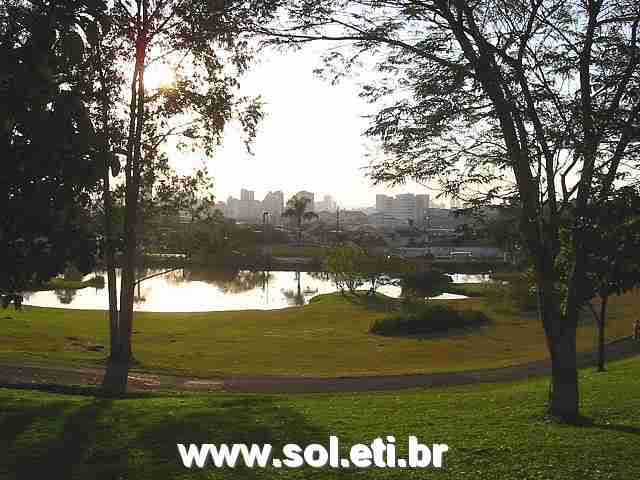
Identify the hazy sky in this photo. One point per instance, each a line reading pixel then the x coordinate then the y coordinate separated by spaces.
pixel 311 138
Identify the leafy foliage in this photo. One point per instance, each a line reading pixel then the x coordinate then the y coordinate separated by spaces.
pixel 206 46
pixel 296 210
pixel 344 263
pixel 47 142
pixel 351 267
pixel 497 99
pixel 427 284
pixel 611 232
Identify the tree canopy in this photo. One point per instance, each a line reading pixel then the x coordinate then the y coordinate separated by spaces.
pixel 492 98
pixel 47 142
pixel 205 46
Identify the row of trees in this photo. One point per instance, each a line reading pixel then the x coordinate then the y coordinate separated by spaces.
pixel 350 267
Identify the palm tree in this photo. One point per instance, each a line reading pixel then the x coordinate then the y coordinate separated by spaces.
pixel 297 210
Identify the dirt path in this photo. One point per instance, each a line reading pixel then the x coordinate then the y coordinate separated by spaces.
pixel 64 378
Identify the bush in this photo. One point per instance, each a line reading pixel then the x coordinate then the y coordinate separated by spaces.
pixel 344 265
pixel 428 283
pixel 513 291
pixel 428 319
pixel 72 274
pixel 523 294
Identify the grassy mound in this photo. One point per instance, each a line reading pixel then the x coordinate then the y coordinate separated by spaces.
pixel 330 337
pixel 428 319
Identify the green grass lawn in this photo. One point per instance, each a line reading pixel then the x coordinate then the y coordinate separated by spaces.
pixel 494 431
pixel 329 337
pixel 468 289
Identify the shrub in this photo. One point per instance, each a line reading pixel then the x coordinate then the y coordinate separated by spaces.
pixel 427 319
pixel 343 263
pixel 514 291
pixel 523 294
pixel 428 283
pixel 72 274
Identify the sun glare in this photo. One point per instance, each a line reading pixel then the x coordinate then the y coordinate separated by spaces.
pixel 158 75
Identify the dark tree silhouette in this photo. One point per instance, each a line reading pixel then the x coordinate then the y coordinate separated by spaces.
pixel 535 98
pixel 47 143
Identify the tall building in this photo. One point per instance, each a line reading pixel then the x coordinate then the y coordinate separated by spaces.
pixel 273 203
pixel 384 203
pixel 422 208
pixel 384 220
pixel 404 207
pixel 232 209
pixel 246 209
pixel 328 204
pixel 247 195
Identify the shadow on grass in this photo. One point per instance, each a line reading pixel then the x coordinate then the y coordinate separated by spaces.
pixel 618 428
pixel 115 379
pixel 80 390
pixel 50 442
pixel 243 420
pixel 587 422
pixel 105 439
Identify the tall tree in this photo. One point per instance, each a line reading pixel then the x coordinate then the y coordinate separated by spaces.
pixel 205 45
pixel 104 46
pixel 297 211
pixel 612 239
pixel 47 142
pixel 535 97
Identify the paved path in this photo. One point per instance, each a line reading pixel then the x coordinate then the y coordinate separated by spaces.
pixel 59 378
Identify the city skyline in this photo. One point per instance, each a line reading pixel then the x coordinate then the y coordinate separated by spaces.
pixel 307 121
pixel 385 211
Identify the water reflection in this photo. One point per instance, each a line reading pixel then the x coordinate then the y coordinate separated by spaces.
pixel 193 290
pixel 65 295
pixel 470 277
pixel 230 281
pixel 295 297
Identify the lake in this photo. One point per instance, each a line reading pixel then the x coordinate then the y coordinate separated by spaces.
pixel 192 290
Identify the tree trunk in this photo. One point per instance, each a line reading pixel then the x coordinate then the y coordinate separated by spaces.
pixel 127 286
pixel 564 401
pixel 133 174
pixel 110 266
pixel 560 332
pixel 601 322
pixel 109 259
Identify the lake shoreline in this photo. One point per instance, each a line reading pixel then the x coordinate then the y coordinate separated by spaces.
pixel 197 289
